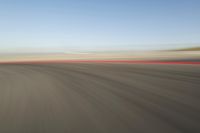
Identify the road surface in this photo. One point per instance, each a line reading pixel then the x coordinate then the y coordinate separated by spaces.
pixel 99 98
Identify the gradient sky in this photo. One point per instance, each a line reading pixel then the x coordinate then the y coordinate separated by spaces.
pixel 64 25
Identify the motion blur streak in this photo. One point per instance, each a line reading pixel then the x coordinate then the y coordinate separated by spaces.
pixel 103 61
pixel 99 98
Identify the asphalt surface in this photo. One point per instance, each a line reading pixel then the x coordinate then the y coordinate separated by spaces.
pixel 99 98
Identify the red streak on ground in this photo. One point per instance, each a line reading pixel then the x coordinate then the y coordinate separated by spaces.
pixel 101 61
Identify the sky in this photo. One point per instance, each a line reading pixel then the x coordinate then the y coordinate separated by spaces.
pixel 75 25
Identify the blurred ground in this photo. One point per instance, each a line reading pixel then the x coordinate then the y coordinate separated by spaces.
pixel 126 55
pixel 99 98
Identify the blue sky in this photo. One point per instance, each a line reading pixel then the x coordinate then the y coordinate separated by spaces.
pixel 64 25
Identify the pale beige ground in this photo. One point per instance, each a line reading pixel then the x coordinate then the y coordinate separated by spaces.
pixel 164 55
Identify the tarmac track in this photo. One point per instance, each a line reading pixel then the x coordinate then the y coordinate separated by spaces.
pixel 99 98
